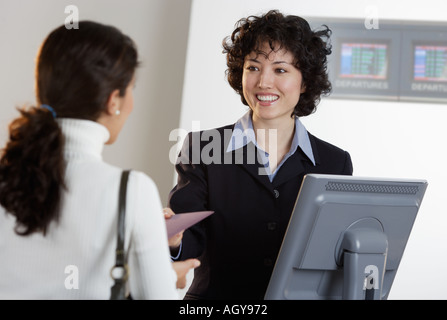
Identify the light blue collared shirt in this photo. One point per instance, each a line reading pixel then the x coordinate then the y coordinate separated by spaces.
pixel 243 134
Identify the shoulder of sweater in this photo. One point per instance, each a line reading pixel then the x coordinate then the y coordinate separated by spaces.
pixel 141 178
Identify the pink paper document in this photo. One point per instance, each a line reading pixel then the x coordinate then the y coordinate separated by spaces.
pixel 182 221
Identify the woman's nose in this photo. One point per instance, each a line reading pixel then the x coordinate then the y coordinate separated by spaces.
pixel 265 80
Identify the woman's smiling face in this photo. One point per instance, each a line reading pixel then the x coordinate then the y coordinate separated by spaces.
pixel 271 83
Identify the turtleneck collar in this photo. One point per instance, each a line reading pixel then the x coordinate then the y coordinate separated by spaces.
pixel 83 138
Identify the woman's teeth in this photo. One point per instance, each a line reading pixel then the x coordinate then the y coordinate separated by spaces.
pixel 267 98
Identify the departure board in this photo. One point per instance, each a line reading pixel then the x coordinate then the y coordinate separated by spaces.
pixel 363 61
pixel 430 63
pixel 401 61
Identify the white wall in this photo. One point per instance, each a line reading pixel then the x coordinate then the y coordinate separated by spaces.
pixel 160 30
pixel 385 139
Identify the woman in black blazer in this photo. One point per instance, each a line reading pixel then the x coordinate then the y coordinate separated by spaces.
pixel 249 173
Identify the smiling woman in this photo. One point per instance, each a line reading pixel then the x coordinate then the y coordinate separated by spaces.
pixel 277 64
pixel 307 51
pixel 272 86
pixel 271 80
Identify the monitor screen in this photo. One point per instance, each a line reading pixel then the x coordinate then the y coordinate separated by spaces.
pixel 363 60
pixel 345 238
pixel 430 63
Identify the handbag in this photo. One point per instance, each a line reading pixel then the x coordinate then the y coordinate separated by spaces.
pixel 120 271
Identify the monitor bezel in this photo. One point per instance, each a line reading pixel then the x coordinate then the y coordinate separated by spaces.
pixel 361 88
pixel 419 43
pixel 416 90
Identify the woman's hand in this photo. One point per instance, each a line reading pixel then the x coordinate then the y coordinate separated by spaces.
pixel 182 268
pixel 175 240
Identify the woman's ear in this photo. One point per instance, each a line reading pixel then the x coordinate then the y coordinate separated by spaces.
pixel 303 88
pixel 114 103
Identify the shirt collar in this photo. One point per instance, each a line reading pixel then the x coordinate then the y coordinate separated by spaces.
pixel 243 133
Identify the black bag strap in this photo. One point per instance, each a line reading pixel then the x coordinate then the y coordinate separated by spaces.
pixel 120 254
pixel 120 267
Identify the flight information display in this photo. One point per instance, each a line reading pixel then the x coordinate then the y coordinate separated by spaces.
pixel 430 63
pixel 364 61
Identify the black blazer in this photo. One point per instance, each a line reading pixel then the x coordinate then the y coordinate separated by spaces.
pixel 238 244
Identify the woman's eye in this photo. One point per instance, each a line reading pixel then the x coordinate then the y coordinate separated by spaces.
pixel 279 70
pixel 251 68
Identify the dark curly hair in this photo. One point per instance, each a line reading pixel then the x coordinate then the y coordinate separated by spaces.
pixel 289 32
pixel 76 72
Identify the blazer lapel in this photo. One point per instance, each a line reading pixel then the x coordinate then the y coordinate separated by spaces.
pixel 247 158
pixel 293 167
pixel 297 164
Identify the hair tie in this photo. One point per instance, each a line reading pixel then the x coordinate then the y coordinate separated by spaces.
pixel 45 106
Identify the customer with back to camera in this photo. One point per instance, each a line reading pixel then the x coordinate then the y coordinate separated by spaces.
pixel 278 66
pixel 60 199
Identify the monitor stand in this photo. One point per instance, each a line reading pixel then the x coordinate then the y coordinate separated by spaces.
pixel 362 251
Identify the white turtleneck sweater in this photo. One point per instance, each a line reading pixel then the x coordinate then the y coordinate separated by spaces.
pixel 74 259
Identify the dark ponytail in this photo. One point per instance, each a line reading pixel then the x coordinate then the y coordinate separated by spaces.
pixel 76 72
pixel 32 170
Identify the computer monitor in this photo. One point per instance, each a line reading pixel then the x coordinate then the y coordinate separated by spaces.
pixel 364 60
pixel 424 64
pixel 345 238
pixel 430 62
pixel 364 64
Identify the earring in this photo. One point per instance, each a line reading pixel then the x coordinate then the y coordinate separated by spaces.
pixel 117 112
